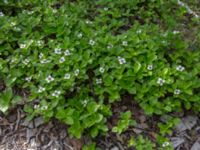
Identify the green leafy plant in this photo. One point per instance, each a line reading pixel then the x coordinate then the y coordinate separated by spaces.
pixel 163 143
pixel 166 128
pixel 77 58
pixel 7 99
pixel 124 123
pixel 141 143
pixel 90 147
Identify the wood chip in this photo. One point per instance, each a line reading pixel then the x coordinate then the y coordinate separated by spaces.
pixel 187 122
pixel 38 121
pixel 196 146
pixel 176 141
pixel 114 148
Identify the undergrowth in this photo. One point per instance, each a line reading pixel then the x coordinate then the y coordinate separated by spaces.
pixel 75 59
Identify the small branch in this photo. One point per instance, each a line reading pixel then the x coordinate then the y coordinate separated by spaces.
pixel 190 11
pixel 18 119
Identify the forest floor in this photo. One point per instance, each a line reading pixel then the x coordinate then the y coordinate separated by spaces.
pixel 16 133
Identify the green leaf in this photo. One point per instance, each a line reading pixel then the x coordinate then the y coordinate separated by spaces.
pixel 168 108
pixel 92 107
pixel 91 146
pixel 94 132
pixel 108 80
pixel 7 95
pixel 137 66
pixel 115 129
pixel 4 107
pixel 76 129
pixel 92 120
pixel 16 100
pixel 10 81
pixel 66 115
pixel 69 120
pixel 188 91
pixel 124 122
pixel 28 109
pixel 5 99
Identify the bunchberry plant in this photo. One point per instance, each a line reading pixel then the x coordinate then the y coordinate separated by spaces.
pixel 75 59
pixel 124 122
pixel 141 143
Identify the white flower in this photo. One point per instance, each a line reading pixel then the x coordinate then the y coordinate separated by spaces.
pixel 101 69
pixel 195 15
pixel 56 93
pixel 17 29
pixel 12 24
pixel 67 52
pixel 84 102
pixel 124 43
pixel 180 68
pixel 44 61
pixel 28 79
pixel 30 12
pixel 139 31
pixel 176 32
pixel 30 41
pixel 57 51
pixel 45 107
pixel 5 1
pixel 13 60
pixel 41 89
pixel 150 67
pixel 110 46
pixel 49 79
pixel 22 46
pixel 98 81
pixel 121 60
pixel 54 10
pixel 67 76
pixel 36 106
pixel 40 43
pixel 165 144
pixel 76 72
pixel 62 59
pixel 105 8
pixel 26 61
pixel 165 34
pixel 91 42
pixel 41 55
pixel 80 35
pixel 1 14
pixel 160 81
pixel 88 22
pixel 177 91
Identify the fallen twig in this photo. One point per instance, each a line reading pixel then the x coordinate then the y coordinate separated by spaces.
pixel 71 148
pixel 18 119
pixel 190 11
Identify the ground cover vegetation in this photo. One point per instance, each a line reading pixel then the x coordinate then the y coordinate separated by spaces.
pixel 76 59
